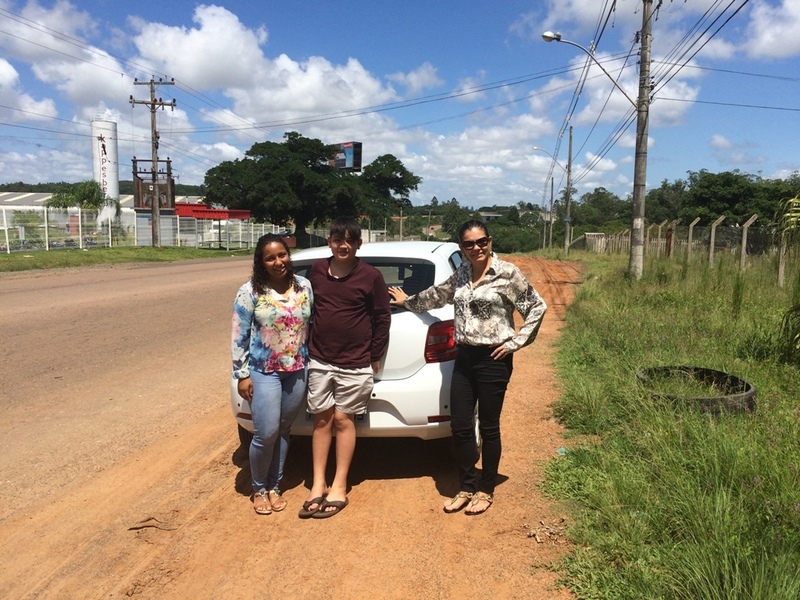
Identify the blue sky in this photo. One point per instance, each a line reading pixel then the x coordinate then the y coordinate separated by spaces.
pixel 461 92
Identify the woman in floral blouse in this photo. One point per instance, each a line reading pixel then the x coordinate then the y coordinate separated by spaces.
pixel 270 328
pixel 485 291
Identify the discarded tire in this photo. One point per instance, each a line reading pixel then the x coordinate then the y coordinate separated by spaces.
pixel 718 391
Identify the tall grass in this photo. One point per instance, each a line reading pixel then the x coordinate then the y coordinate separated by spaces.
pixel 672 502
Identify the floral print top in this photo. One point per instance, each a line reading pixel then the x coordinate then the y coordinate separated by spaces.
pixel 484 314
pixel 269 332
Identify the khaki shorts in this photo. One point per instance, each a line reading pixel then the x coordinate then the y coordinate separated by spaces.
pixel 346 389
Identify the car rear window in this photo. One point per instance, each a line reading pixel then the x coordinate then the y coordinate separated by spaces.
pixel 413 275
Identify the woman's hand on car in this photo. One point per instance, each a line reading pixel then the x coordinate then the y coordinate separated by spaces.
pixel 398 296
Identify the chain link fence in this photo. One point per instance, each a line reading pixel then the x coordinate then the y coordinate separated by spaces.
pixel 676 240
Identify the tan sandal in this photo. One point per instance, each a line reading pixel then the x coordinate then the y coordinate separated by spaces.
pixel 277 501
pixel 261 503
pixel 457 502
pixel 476 499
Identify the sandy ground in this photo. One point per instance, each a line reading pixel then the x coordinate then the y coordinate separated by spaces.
pixel 120 473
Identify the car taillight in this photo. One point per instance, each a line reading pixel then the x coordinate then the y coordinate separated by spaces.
pixel 440 344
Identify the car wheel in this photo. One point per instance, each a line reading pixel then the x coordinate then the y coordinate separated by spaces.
pixel 245 437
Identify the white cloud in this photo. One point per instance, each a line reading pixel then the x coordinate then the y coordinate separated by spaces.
pixel 219 52
pixel 720 142
pixel 40 32
pixel 21 106
pixel 774 30
pixel 417 81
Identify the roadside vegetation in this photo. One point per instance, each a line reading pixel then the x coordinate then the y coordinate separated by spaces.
pixel 667 501
pixel 74 257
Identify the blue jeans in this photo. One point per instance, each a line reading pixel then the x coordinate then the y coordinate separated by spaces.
pixel 277 398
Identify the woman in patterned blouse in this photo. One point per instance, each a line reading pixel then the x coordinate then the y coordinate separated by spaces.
pixel 270 328
pixel 484 291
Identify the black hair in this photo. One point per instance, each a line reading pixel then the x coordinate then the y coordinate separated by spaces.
pixel 260 277
pixel 472 224
pixel 346 227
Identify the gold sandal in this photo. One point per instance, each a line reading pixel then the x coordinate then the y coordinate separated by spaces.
pixel 457 502
pixel 261 503
pixel 277 501
pixel 479 497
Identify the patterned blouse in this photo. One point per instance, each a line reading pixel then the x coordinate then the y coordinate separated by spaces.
pixel 484 315
pixel 270 331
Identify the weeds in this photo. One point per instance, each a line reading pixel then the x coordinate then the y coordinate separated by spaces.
pixel 673 502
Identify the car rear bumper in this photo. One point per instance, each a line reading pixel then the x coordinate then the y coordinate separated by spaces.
pixel 418 406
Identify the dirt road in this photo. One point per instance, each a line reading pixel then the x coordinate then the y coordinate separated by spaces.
pixel 120 475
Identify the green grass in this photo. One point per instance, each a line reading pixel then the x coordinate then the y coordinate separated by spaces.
pixel 672 502
pixel 74 257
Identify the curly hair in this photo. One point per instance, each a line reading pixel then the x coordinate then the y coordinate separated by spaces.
pixel 260 277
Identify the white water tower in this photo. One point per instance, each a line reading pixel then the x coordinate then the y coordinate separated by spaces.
pixel 105 159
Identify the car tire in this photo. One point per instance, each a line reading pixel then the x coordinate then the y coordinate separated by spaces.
pixel 245 437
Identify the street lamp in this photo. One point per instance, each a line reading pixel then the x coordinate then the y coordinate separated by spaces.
pixel 636 262
pixel 549 36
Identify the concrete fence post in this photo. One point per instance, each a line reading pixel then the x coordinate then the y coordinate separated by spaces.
pixel 745 227
pixel 711 241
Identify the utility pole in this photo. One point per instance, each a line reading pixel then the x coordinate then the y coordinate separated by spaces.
pixel 429 223
pixel 550 241
pixel 567 196
pixel 636 263
pixel 154 103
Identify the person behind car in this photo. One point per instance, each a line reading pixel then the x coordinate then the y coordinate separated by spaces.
pixel 485 291
pixel 271 315
pixel 349 335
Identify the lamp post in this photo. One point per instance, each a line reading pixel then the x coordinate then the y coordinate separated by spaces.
pixel 636 262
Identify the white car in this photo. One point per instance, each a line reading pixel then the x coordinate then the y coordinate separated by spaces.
pixel 411 397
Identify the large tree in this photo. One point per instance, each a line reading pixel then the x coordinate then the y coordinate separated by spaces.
pixel 290 181
pixel 387 183
pixel 294 181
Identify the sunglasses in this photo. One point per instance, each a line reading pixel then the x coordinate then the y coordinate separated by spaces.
pixel 480 243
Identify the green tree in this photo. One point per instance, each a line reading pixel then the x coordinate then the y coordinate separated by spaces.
pixel 711 195
pixel 290 181
pixel 600 210
pixel 453 215
pixel 666 202
pixel 294 181
pixel 386 177
pixel 388 184
pixel 87 194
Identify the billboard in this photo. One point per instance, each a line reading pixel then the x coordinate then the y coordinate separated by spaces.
pixel 348 156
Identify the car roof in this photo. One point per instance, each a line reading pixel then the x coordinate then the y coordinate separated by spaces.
pixel 404 249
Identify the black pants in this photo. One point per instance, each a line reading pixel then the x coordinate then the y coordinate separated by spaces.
pixel 478 379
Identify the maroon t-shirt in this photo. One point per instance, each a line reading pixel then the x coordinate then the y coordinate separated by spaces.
pixel 352 315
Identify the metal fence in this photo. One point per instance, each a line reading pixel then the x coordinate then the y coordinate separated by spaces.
pixel 42 228
pixel 671 240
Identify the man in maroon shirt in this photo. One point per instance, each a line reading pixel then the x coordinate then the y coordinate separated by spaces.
pixel 349 335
